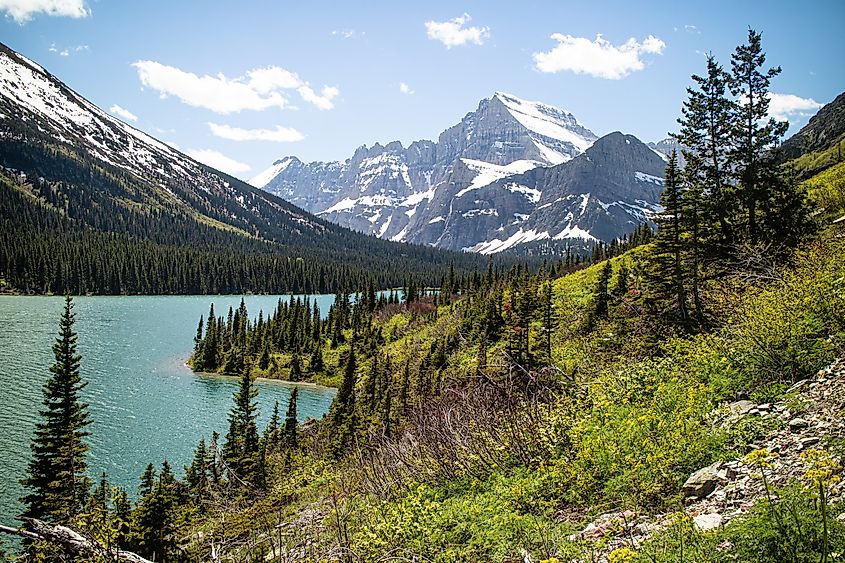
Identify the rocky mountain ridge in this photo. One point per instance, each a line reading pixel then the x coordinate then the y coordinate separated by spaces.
pixel 476 187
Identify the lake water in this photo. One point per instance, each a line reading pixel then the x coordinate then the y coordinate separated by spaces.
pixel 144 403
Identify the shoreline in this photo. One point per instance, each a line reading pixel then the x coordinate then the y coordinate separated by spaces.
pixel 267 379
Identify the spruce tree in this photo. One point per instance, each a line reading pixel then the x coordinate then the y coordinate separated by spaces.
pixel 148 480
pixel 241 449
pixel 341 417
pixel 705 133
pixel 271 433
pixel 668 271
pixel 754 133
pixel 196 475
pixel 295 368
pixel 290 419
pixel 57 482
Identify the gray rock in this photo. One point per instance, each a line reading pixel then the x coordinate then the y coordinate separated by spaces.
pixel 703 482
pixel 798 423
pixel 809 442
pixel 739 408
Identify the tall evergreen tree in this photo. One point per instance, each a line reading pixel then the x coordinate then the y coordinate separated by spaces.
pixel 241 450
pixel 754 133
pixel 341 418
pixel 290 419
pixel 56 474
pixel 271 433
pixel 196 475
pixel 705 133
pixel 668 272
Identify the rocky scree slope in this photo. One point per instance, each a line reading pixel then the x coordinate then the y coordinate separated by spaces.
pixel 723 491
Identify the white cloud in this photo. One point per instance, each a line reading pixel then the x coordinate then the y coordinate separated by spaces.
pixel 279 134
pixel 781 106
pixel 347 33
pixel 597 57
pixel 65 52
pixel 123 113
pixel 323 100
pixel 22 10
pixel 260 89
pixel 218 161
pixel 405 89
pixel 452 33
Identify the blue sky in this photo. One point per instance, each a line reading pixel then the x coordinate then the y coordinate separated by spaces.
pixel 243 84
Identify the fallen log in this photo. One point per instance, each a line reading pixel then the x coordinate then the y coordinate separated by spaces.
pixel 70 539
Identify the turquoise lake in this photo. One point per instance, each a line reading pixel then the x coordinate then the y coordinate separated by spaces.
pixel 144 402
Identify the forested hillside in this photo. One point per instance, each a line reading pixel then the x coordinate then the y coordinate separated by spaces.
pixel 92 205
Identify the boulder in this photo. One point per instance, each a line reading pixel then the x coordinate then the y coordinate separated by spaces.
pixel 707 522
pixel 798 423
pixel 704 481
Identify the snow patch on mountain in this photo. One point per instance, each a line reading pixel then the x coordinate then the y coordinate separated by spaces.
pixel 498 245
pixel 263 178
pixel 544 119
pixel 643 177
pixel 487 173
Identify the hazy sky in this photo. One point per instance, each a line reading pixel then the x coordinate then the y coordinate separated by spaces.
pixel 241 84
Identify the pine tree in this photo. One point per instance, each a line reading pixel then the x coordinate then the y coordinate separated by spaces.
pixel 57 482
pixel 705 133
pixel 196 475
pixel 341 418
pixel 315 363
pixel 271 433
pixel 241 449
pixel 198 343
pixel 295 368
pixel 148 480
pixel 290 420
pixel 154 519
pixel 753 133
pixel 668 272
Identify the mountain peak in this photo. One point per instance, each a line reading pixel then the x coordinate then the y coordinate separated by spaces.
pixel 547 120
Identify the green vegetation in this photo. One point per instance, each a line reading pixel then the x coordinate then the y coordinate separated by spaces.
pixel 493 420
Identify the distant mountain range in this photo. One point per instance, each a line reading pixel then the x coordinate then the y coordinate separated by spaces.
pixel 67 166
pixel 510 173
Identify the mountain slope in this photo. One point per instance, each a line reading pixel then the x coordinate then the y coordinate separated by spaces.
pixel 600 195
pixel 817 145
pixel 68 166
pixel 403 193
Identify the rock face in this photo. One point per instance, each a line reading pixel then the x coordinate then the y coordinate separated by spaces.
pixel 477 187
pixel 822 131
pixel 604 193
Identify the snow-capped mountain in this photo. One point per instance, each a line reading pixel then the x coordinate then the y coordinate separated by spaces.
pixel 38 109
pixel 410 193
